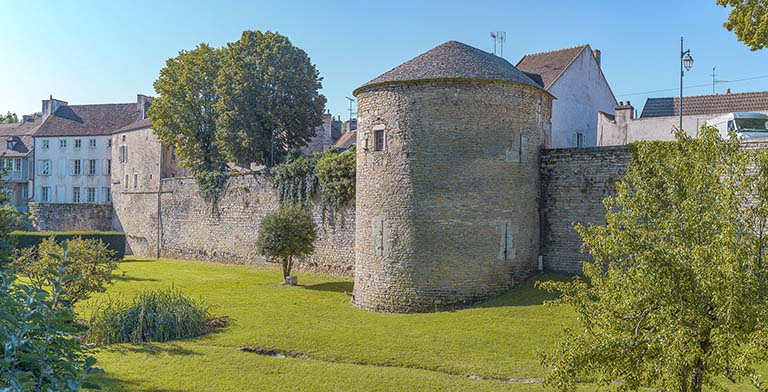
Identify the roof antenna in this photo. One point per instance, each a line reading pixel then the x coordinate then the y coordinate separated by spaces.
pixel 351 111
pixel 499 37
pixel 715 80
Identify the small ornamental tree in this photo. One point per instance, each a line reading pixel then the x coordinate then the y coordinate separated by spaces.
pixel 285 235
pixel 676 296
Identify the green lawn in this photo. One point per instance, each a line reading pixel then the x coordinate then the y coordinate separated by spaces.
pixel 341 348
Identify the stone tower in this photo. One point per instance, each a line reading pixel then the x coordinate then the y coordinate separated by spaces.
pixel 447 180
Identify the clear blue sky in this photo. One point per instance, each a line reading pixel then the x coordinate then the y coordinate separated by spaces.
pixel 106 51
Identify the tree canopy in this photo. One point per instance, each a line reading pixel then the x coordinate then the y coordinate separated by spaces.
pixel 676 294
pixel 267 87
pixel 8 118
pixel 749 21
pixel 285 234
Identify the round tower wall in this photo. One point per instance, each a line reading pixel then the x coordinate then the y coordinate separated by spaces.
pixel 447 192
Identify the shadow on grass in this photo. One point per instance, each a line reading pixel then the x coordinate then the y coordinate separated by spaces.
pixel 112 384
pixel 526 294
pixel 138 260
pixel 150 349
pixel 126 278
pixel 338 287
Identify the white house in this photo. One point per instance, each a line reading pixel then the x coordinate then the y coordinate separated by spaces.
pixel 17 159
pixel 574 76
pixel 73 150
pixel 661 115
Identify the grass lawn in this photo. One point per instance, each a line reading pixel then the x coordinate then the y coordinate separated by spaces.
pixel 342 348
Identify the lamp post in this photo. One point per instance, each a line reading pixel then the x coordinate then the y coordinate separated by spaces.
pixel 686 61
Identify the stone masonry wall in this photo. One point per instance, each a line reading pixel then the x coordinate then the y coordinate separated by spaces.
pixel 71 216
pixel 190 228
pixel 574 182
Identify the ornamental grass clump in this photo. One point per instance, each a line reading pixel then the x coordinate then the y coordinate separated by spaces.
pixel 152 316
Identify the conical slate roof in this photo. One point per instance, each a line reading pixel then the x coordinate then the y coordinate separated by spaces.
pixel 453 60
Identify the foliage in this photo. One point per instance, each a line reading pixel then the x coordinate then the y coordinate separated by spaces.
pixel 115 241
pixel 91 266
pixel 336 175
pixel 295 180
pixel 8 118
pixel 285 234
pixel 677 293
pixel 41 350
pixel 152 316
pixel 184 115
pixel 266 87
pixel 749 21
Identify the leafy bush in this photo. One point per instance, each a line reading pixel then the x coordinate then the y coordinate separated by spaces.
pixel 92 264
pixel 212 184
pixel 295 180
pixel 41 350
pixel 286 234
pixel 152 316
pixel 336 174
pixel 115 241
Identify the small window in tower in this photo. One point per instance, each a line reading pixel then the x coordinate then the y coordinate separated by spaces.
pixel 379 140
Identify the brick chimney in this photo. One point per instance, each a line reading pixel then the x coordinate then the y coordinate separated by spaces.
pixel 142 104
pixel 597 55
pixel 624 113
pixel 50 105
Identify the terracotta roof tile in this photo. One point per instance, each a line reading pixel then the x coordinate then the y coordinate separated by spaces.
pixel 347 140
pixel 549 65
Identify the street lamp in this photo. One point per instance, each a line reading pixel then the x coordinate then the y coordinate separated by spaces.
pixel 686 61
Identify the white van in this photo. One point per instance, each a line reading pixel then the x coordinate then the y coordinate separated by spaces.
pixel 747 125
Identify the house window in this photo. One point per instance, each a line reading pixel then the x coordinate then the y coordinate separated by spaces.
pixel 107 196
pixel 44 167
pixel 91 143
pixel 123 153
pixel 17 164
pixel 91 167
pixel 78 142
pixel 379 140
pixel 579 139
pixel 76 194
pixel 9 144
pixel 77 169
pixel 135 180
pixel 63 143
pixel 109 143
pixel 45 193
pixel 44 144
pixel 108 167
pixel 25 191
pixel 90 195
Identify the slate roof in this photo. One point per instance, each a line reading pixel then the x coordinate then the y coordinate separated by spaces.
pixel 138 124
pixel 21 133
pixel 453 60
pixel 707 104
pixel 347 140
pixel 88 120
pixel 550 65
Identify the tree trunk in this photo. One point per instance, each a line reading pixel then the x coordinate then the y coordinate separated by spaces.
pixel 697 376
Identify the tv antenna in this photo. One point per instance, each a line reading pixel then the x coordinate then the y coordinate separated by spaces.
pixel 499 37
pixel 351 110
pixel 715 80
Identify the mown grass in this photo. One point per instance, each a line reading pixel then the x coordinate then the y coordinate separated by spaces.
pixel 341 348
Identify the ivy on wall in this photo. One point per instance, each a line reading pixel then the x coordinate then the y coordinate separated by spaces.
pixel 331 174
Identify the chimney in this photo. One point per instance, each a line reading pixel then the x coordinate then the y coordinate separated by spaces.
pixel 28 118
pixel 50 105
pixel 728 91
pixel 142 104
pixel 624 113
pixel 597 55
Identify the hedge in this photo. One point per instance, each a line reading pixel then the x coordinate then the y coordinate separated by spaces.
pixel 113 239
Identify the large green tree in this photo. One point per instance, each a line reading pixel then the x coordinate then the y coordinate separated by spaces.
pixel 266 87
pixel 184 113
pixel 749 21
pixel 676 294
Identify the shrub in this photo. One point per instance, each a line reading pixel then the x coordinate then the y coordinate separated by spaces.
pixel 92 264
pixel 286 234
pixel 152 316
pixel 41 350
pixel 336 174
pixel 295 179
pixel 115 241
